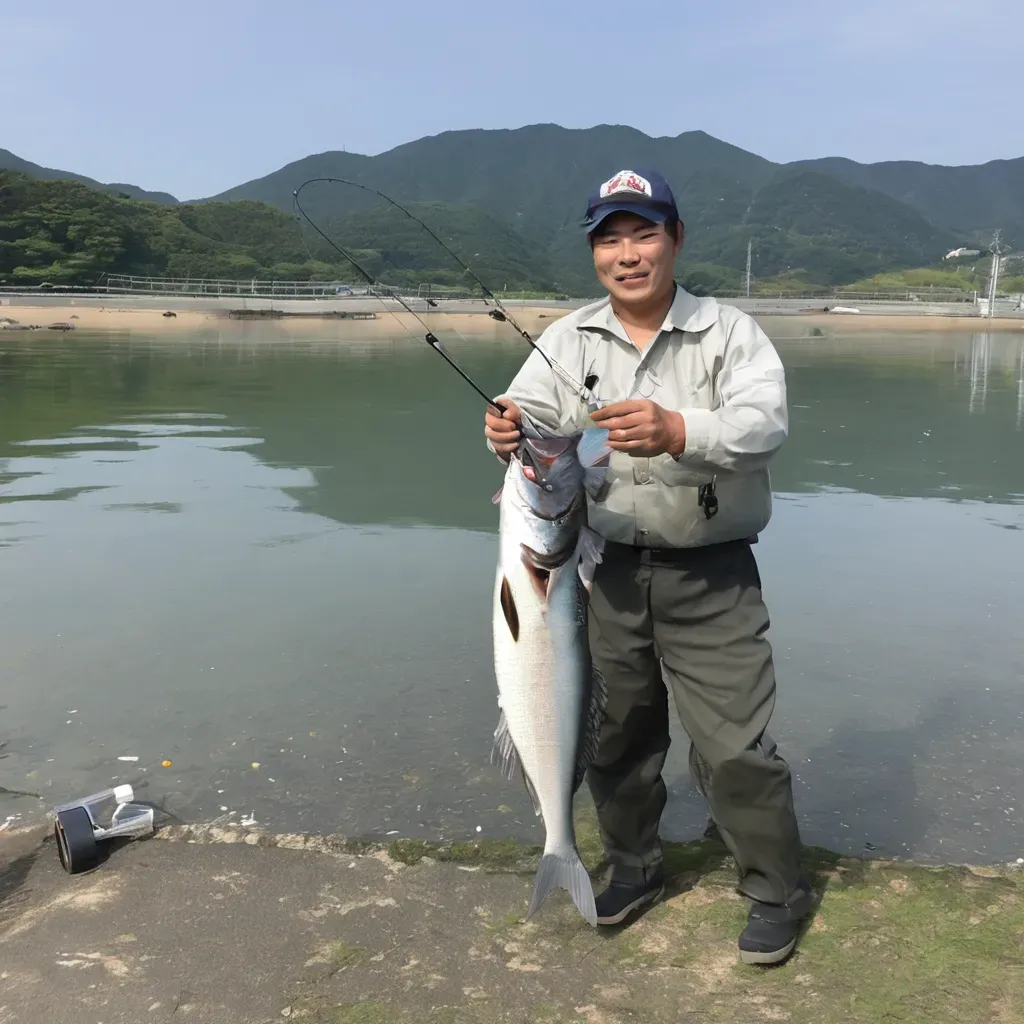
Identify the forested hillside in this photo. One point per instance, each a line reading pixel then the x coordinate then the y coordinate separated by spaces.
pixel 510 204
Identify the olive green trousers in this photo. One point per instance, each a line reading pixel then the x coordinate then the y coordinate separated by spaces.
pixel 694 620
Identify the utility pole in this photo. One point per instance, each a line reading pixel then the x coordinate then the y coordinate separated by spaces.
pixel 750 244
pixel 993 280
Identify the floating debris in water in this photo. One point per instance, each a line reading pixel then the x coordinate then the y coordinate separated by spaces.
pixel 128 757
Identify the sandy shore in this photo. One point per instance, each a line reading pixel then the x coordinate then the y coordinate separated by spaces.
pixel 104 318
pixel 120 319
pixel 95 316
pixel 835 323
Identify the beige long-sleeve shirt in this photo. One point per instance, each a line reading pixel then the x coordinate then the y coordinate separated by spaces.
pixel 710 362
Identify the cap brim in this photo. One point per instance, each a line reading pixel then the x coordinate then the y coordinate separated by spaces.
pixel 649 211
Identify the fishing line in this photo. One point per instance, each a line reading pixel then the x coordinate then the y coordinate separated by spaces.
pixel 499 313
pixel 428 336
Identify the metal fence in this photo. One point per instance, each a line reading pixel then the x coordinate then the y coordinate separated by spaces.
pixel 125 284
pixel 844 295
pixel 254 287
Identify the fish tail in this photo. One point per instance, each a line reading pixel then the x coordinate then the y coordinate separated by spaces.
pixel 568 872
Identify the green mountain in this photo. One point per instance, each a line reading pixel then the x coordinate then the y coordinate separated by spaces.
pixel 509 202
pixel 830 221
pixel 828 231
pixel 10 162
pixel 535 179
pixel 63 232
pixel 973 200
pixel 498 254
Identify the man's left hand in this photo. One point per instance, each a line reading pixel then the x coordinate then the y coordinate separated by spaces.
pixel 642 428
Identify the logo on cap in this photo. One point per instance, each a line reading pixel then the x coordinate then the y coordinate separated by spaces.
pixel 628 182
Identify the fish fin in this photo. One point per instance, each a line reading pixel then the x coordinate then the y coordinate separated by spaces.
pixel 505 753
pixel 497 495
pixel 504 750
pixel 508 609
pixel 592 449
pixel 540 578
pixel 533 793
pixel 591 552
pixel 568 872
pixel 590 740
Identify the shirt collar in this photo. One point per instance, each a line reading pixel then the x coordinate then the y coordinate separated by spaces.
pixel 687 313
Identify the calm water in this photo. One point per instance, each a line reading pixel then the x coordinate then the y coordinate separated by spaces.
pixel 233 550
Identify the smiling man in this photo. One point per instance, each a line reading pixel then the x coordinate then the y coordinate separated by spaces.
pixel 693 395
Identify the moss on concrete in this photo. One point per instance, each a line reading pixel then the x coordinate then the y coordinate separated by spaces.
pixel 499 854
pixel 343 954
pixel 889 941
pixel 358 1013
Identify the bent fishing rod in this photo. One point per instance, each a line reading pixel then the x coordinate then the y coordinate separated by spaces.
pixel 499 313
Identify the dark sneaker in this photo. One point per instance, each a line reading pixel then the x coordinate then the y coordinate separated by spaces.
pixel 621 898
pixel 772 929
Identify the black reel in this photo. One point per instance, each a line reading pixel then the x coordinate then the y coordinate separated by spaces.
pixel 76 841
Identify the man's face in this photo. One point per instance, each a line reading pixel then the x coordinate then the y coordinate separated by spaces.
pixel 634 258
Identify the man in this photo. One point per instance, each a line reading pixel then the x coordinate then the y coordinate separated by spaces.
pixel 693 396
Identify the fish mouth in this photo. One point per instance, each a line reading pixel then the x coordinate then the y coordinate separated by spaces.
pixel 538 456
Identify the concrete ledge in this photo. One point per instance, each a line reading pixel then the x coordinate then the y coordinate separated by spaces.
pixel 233 926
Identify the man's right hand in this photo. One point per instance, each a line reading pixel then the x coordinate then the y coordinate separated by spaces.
pixel 502 430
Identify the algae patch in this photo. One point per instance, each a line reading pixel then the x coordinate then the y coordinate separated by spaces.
pixel 496 854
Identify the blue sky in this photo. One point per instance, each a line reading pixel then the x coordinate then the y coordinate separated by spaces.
pixel 193 98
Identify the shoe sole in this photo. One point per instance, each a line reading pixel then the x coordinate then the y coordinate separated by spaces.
pixel 775 956
pixel 635 905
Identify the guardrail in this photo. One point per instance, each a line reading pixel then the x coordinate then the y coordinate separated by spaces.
pixel 124 284
pixel 255 288
pixel 853 295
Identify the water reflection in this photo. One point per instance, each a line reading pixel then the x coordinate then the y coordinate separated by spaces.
pixel 988 353
pixel 238 554
pixel 980 362
pixel 1020 388
pixel 887 418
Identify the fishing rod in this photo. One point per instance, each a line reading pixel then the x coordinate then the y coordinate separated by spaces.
pixel 499 313
pixel 429 337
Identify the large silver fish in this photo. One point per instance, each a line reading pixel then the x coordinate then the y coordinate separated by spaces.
pixel 552 699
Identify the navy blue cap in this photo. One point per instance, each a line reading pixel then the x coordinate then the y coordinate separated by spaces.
pixel 645 193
